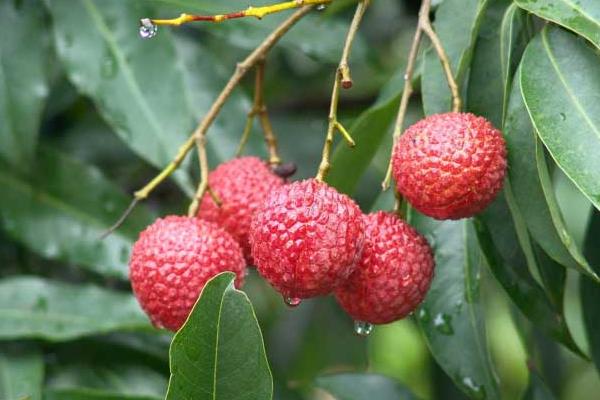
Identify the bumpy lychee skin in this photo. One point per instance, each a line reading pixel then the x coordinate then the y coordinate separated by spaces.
pixel 171 262
pixel 450 166
pixel 393 274
pixel 242 185
pixel 306 239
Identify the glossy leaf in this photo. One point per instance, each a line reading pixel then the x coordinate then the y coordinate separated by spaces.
pixel 61 211
pixel 582 16
pixel 24 49
pixel 91 394
pixel 367 386
pixel 563 105
pixel 451 316
pixel 37 308
pixel 537 388
pixel 508 250
pixel 532 186
pixel 457 24
pixel 21 372
pixel 136 85
pixel 219 353
pixel 590 291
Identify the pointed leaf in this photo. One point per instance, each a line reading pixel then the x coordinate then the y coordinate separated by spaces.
pixel 581 16
pixel 219 353
pixel 366 386
pixel 61 211
pixel 24 50
pixel 563 105
pixel 451 316
pixel 38 308
pixel 21 372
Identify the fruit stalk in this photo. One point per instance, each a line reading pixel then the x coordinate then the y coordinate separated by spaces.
pixel 257 12
pixel 203 185
pixel 423 26
pixel 342 79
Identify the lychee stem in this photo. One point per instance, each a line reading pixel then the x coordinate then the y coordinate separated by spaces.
pixel 259 109
pixel 423 25
pixel 343 79
pixel 240 71
pixel 203 185
pixel 257 12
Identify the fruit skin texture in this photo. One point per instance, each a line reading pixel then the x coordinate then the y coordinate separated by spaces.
pixel 307 238
pixel 242 184
pixel 393 275
pixel 450 166
pixel 171 262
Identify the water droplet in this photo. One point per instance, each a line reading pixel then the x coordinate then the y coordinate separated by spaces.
pixel 405 77
pixel 292 301
pixel 474 390
pixel 423 315
pixel 363 328
pixel 147 28
pixel 563 116
pixel 443 324
pixel 321 7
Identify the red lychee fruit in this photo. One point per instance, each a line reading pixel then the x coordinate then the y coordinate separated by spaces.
pixel 241 184
pixel 171 262
pixel 393 274
pixel 450 166
pixel 306 239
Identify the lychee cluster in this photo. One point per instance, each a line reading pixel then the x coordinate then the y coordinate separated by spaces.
pixel 306 239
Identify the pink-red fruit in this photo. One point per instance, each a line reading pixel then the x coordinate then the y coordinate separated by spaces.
pixel 450 166
pixel 241 184
pixel 306 239
pixel 393 274
pixel 171 262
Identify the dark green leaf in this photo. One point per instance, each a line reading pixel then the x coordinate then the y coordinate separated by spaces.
pixel 219 353
pixel 457 24
pixel 24 51
pixel 61 211
pixel 137 85
pixel 91 394
pixel 532 186
pixel 506 244
pixel 590 291
pixel 451 316
pixel 537 389
pixel 355 386
pixel 21 372
pixel 36 308
pixel 582 16
pixel 563 105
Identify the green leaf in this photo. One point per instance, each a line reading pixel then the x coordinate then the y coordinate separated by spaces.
pixel 457 25
pixel 24 50
pixel 61 211
pixel 356 386
pixel 451 316
pixel 582 16
pixel 37 308
pixel 532 186
pixel 219 353
pixel 137 85
pixel 563 105
pixel 91 394
pixel 537 388
pixel 507 247
pixel 21 372
pixel 590 291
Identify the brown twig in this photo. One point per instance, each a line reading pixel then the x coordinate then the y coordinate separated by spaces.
pixel 343 79
pixel 203 184
pixel 423 25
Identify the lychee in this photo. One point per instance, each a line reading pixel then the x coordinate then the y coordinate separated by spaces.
pixel 450 166
pixel 393 274
pixel 306 239
pixel 241 184
pixel 171 262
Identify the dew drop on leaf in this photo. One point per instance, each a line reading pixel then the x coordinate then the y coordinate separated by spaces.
pixel 147 29
pixel 292 301
pixel 363 328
